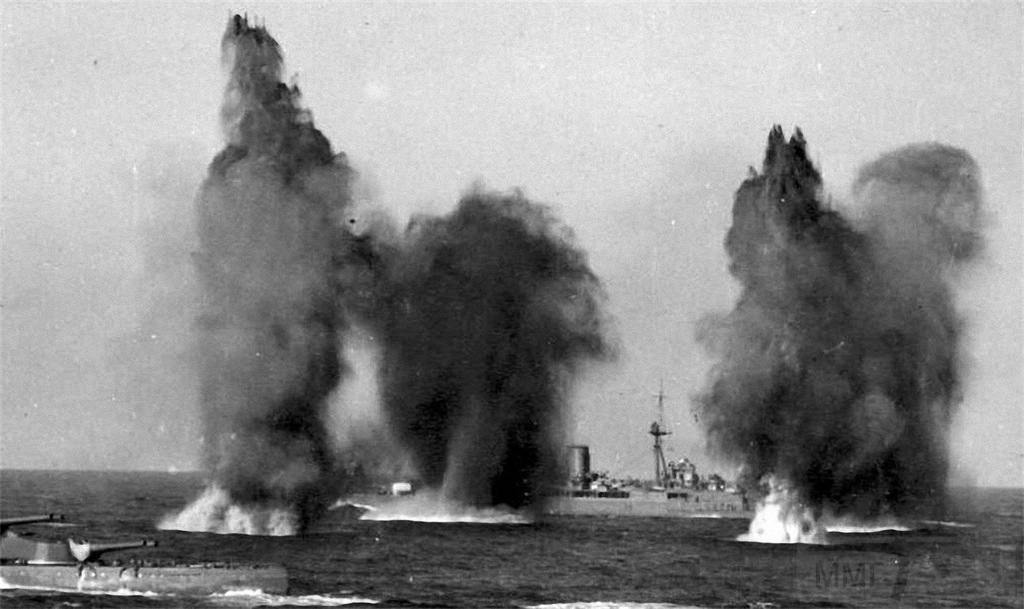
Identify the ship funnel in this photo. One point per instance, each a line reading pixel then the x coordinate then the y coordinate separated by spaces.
pixel 579 462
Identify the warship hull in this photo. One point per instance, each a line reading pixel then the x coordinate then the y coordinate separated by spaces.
pixel 708 504
pixel 185 580
pixel 639 503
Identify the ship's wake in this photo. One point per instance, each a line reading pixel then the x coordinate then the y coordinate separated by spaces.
pixel 214 512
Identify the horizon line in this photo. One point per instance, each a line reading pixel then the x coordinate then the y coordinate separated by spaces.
pixel 196 471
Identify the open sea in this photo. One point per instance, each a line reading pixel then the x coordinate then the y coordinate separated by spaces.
pixel 971 559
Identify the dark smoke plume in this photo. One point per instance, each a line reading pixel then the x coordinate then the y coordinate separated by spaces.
pixel 270 252
pixel 482 318
pixel 839 367
pixel 485 316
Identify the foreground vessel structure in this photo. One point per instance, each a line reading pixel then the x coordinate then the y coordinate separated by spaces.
pixel 28 562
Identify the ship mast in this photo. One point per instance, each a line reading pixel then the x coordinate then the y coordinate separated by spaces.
pixel 658 430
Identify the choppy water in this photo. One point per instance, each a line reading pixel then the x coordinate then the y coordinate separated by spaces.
pixel 971 558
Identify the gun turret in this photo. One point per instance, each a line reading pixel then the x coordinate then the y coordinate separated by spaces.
pixel 6 522
pixel 28 549
pixel 85 551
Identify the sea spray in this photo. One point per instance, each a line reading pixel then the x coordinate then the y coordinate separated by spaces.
pixel 434 506
pixel 479 322
pixel 485 317
pixel 838 371
pixel 271 240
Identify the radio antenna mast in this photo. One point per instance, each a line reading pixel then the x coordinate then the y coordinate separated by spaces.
pixel 661 474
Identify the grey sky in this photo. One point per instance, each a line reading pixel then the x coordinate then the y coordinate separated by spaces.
pixel 635 122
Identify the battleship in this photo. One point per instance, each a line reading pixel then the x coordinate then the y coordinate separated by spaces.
pixel 75 565
pixel 676 490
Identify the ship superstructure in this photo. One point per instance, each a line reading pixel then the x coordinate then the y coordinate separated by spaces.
pixel 676 489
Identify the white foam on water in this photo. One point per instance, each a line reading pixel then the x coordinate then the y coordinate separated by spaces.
pixel 951 524
pixel 213 512
pixel 612 605
pixel 242 597
pixel 247 598
pixel 878 524
pixel 432 507
pixel 5 585
pixel 855 525
pixel 865 529
pixel 125 592
pixel 782 517
pixel 340 503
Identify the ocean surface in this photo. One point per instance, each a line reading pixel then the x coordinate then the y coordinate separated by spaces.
pixel 970 558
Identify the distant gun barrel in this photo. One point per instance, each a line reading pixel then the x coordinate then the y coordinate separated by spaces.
pixel 6 522
pixel 85 551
